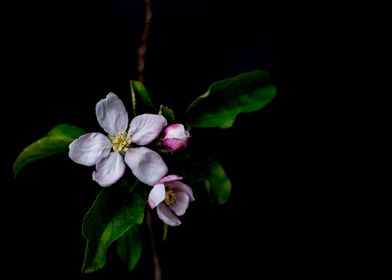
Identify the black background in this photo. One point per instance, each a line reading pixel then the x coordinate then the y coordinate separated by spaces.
pixel 64 56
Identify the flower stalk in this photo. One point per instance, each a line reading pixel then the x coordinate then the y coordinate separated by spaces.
pixel 155 259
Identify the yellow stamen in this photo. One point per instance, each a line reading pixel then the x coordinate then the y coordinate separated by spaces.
pixel 170 197
pixel 121 142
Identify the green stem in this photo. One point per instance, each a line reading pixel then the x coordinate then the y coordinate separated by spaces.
pixel 134 185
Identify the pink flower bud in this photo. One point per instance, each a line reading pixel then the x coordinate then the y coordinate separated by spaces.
pixel 175 137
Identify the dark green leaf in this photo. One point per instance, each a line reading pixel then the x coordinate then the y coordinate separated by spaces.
pixel 66 130
pixel 130 247
pixel 167 113
pixel 225 99
pixel 218 183
pixel 55 142
pixel 212 176
pixel 114 211
pixel 141 101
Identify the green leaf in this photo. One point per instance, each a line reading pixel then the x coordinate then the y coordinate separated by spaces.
pixel 139 93
pixel 130 247
pixel 225 99
pixel 217 182
pixel 212 176
pixel 55 142
pixel 167 113
pixel 113 213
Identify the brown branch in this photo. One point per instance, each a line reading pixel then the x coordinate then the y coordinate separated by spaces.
pixel 155 259
pixel 141 52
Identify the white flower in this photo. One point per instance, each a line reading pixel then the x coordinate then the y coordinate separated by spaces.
pixel 108 153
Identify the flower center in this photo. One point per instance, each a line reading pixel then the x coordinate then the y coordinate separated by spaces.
pixel 121 142
pixel 170 197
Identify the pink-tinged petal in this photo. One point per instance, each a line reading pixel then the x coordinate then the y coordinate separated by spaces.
pixel 180 204
pixel 174 144
pixel 177 186
pixel 170 178
pixel 146 165
pixel 157 195
pixel 89 149
pixel 109 170
pixel 175 131
pixel 111 114
pixel 175 137
pixel 145 128
pixel 167 216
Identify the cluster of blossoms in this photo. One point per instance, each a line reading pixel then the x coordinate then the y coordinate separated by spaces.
pixel 110 154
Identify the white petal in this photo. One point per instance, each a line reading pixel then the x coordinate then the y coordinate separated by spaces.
pixel 145 128
pixel 157 195
pixel 146 165
pixel 111 114
pixel 109 170
pixel 180 204
pixel 167 216
pixel 178 186
pixel 90 148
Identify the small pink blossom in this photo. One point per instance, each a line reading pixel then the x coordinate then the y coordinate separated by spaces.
pixel 175 137
pixel 171 198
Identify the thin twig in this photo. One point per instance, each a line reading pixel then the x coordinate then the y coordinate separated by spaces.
pixel 141 53
pixel 157 266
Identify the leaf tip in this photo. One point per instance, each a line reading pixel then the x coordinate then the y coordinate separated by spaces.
pixel 15 170
pixel 88 269
pixel 17 167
